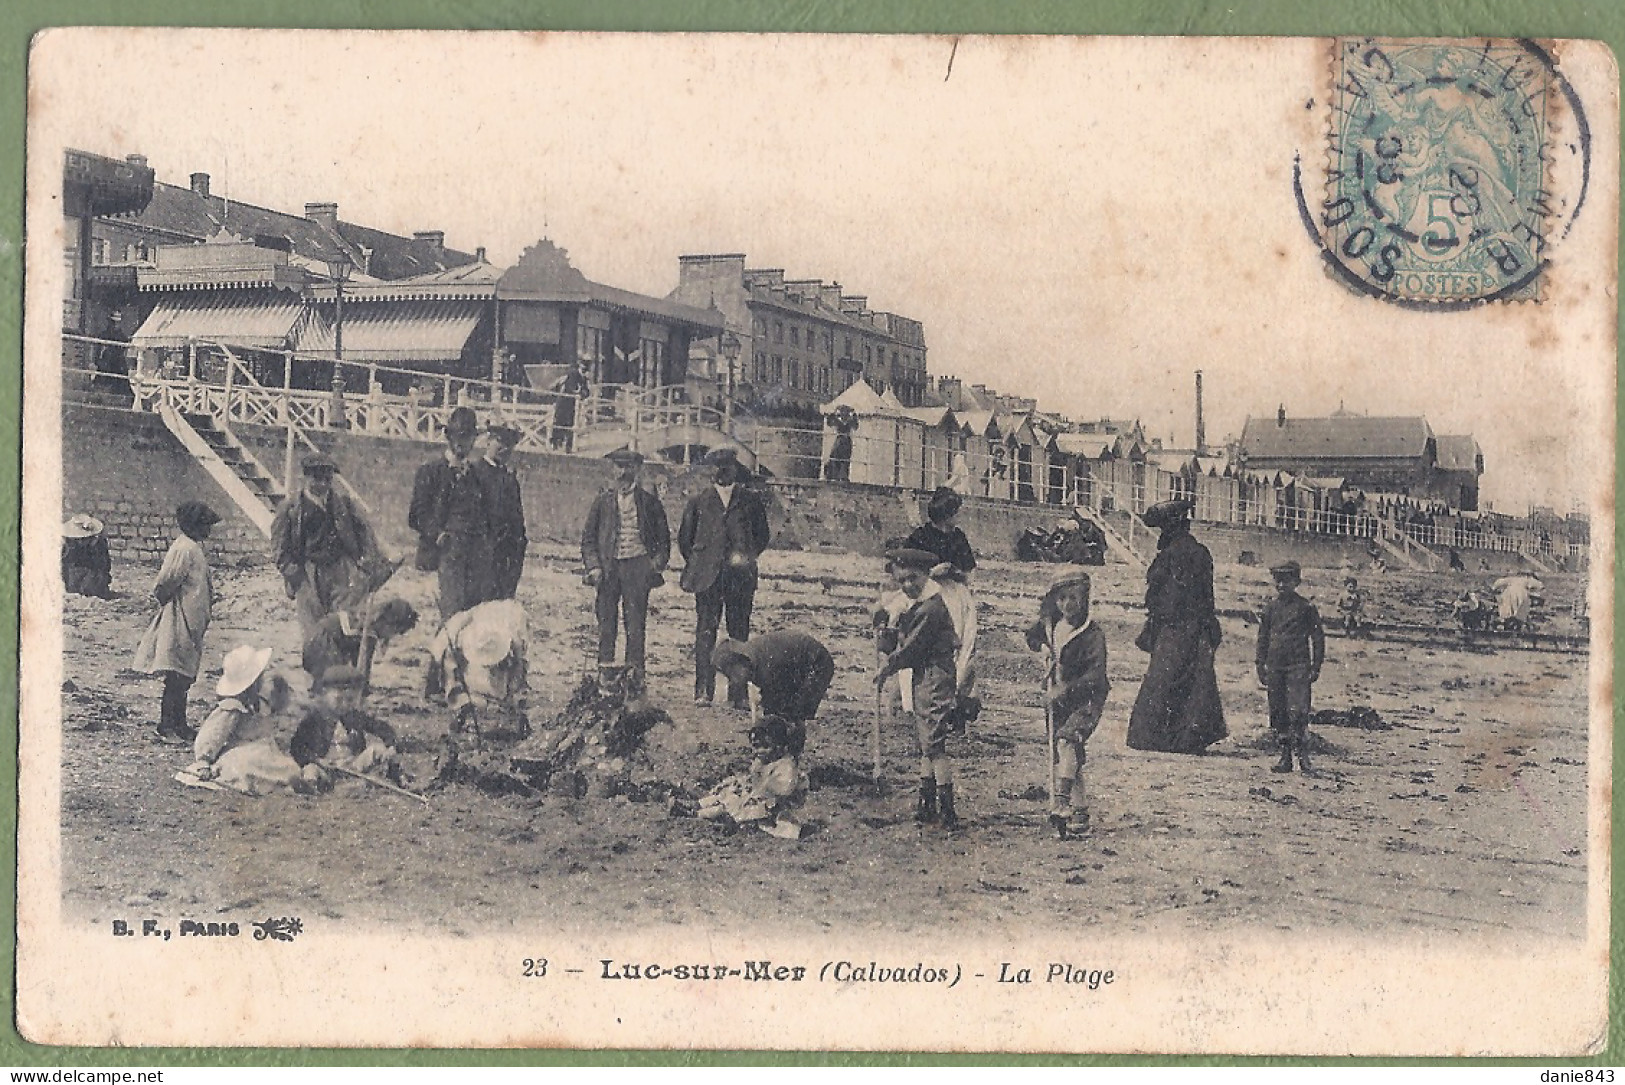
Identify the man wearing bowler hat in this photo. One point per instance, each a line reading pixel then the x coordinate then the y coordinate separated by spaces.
pixel 723 532
pixel 508 539
pixel 625 545
pixel 451 514
pixel 323 546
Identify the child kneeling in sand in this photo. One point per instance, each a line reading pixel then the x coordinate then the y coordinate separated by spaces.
pixel 1075 689
pixel 236 746
pixel 339 733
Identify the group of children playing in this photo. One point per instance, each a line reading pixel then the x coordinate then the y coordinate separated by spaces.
pixel 237 746
pixel 922 633
pixel 923 643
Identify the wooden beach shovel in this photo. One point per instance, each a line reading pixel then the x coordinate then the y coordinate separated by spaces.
pixel 1049 713
pixel 874 735
pixel 375 782
pixel 874 730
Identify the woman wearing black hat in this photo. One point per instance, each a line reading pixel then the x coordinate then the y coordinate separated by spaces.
pixel 1178 708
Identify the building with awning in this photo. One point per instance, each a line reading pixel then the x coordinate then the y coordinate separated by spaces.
pixel 277 322
pixel 441 322
pixel 226 293
pixel 550 314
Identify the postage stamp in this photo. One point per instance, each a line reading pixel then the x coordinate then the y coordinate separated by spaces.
pixel 1437 187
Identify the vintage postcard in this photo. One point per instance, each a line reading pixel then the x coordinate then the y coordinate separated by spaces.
pixel 992 544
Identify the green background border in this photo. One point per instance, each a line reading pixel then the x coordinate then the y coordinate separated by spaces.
pixel 18 21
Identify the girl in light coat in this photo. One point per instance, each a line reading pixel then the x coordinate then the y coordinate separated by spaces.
pixel 173 643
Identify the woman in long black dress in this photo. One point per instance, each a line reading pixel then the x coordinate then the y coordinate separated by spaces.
pixel 1178 709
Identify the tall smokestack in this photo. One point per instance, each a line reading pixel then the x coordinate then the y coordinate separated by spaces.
pixel 1201 431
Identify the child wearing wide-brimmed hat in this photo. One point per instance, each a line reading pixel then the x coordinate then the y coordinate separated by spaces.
pixel 248 698
pixel 1075 689
pixel 172 646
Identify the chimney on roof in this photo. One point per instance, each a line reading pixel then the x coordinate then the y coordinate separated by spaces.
pixel 479 255
pixel 435 239
pixel 699 274
pixel 200 184
pixel 323 214
pixel 136 160
pixel 854 303
pixel 830 295
pixel 1280 416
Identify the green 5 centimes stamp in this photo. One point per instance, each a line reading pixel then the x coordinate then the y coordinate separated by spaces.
pixel 1436 182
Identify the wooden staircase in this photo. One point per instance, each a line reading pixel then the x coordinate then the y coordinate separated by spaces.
pixel 218 451
pixel 1116 541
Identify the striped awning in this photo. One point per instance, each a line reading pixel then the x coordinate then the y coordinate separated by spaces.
pixel 427 331
pixel 264 323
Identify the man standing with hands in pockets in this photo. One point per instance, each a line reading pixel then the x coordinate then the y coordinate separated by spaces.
pixel 723 532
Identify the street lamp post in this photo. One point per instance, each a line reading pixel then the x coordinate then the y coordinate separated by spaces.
pixel 729 344
pixel 339 268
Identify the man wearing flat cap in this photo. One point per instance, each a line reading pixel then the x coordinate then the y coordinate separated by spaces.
pixel 323 546
pixel 452 517
pixel 1178 708
pixel 625 546
pixel 507 504
pixel 722 534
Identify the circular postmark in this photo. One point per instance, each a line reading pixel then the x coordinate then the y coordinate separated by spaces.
pixel 1436 185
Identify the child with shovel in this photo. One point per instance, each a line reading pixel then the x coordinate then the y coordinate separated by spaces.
pixel 1075 688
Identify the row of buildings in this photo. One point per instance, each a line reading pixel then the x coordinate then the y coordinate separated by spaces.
pixel 307 297
pixel 182 263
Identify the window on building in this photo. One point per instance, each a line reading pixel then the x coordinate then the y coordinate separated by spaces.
pixel 894 359
pixel 98 250
pixel 795 336
pixel 758 325
pixel 868 354
pixel 795 373
pixel 778 331
pixel 847 353
pixel 778 369
pixel 828 343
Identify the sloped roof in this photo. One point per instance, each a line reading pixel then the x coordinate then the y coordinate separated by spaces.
pixel 1174 461
pixel 1018 426
pixel 470 281
pixel 1310 439
pixel 544 273
pixel 185 215
pixel 933 417
pixel 392 256
pixel 1458 452
pixel 861 397
pixel 1089 446
pixel 981 423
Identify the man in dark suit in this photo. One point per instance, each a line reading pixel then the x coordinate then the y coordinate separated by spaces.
pixel 508 539
pixel 451 516
pixel 625 544
pixel 724 531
